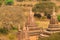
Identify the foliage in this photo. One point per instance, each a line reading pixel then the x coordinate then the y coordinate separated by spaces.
pixel 43 17
pixel 55 36
pixel 14 28
pixel 44 7
pixel 9 2
pixel 4 30
pixel 48 16
pixel 58 17
pixel 12 36
pixel 37 15
pixel 0 2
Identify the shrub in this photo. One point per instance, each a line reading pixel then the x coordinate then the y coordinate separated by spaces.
pixel 37 15
pixel 4 30
pixel 0 3
pixel 48 16
pixel 14 28
pixel 43 17
pixel 58 17
pixel 8 2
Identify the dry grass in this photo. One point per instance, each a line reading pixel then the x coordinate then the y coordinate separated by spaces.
pixel 10 14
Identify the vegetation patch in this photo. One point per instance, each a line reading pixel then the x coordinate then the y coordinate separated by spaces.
pixel 4 30
pixel 58 17
pixel 0 3
pixel 55 36
pixel 9 2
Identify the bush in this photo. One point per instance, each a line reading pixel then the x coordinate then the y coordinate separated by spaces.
pixel 9 2
pixel 4 30
pixel 48 16
pixel 0 3
pixel 14 28
pixel 58 17
pixel 37 15
pixel 43 17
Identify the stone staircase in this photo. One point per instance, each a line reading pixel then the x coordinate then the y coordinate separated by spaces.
pixel 34 30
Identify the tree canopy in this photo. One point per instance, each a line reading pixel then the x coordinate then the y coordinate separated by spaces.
pixel 43 7
pixel 9 2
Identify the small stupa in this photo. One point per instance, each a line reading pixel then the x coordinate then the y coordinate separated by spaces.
pixel 30 23
pixel 54 26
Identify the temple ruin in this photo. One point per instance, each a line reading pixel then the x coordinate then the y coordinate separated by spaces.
pixel 31 29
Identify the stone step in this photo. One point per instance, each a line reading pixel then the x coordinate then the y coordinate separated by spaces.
pixel 32 29
pixel 47 32
pixel 53 29
pixel 34 33
pixel 54 26
pixel 44 35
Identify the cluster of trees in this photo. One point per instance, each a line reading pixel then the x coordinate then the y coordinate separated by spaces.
pixel 45 7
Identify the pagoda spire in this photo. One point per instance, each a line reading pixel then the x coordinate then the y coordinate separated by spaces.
pixel 30 18
pixel 53 17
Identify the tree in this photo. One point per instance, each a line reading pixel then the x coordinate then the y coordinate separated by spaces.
pixel 44 7
pixel 9 2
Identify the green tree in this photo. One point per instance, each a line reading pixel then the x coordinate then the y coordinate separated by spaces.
pixel 58 17
pixel 9 2
pixel 44 7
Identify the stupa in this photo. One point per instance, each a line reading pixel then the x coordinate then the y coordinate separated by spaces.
pixel 33 29
pixel 53 26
